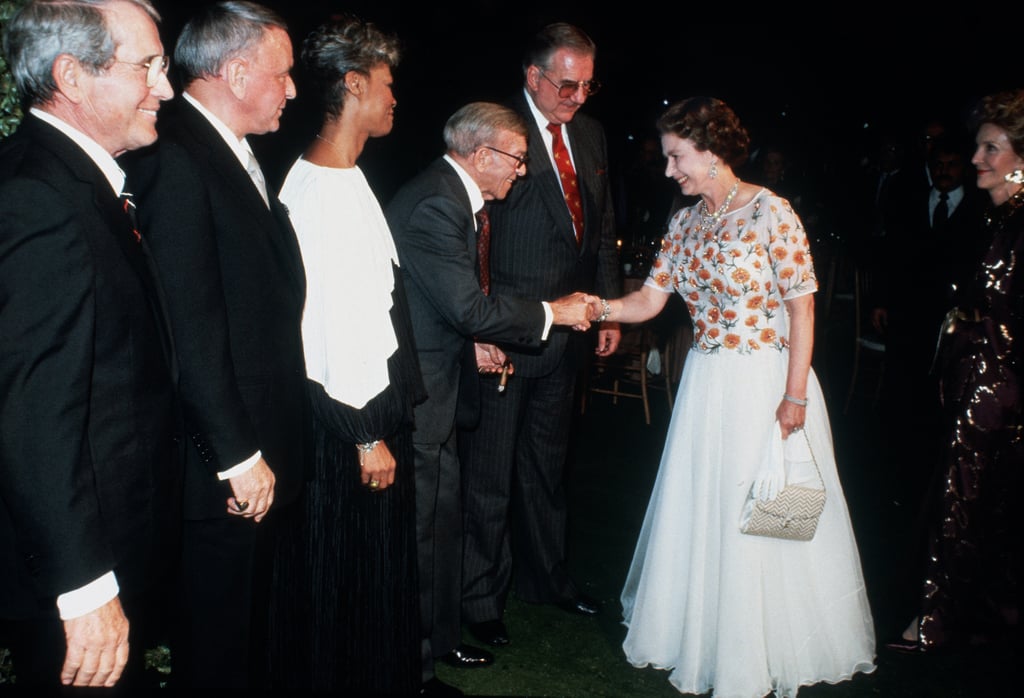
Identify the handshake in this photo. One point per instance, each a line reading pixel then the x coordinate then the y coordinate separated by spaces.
pixel 578 310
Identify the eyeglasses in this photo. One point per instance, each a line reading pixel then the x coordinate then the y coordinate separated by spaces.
pixel 568 88
pixel 521 160
pixel 154 65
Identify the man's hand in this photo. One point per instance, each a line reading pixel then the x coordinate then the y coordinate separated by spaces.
pixel 490 359
pixel 97 647
pixel 608 338
pixel 572 310
pixel 256 487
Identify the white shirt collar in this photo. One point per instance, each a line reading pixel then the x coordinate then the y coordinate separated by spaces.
pixel 542 126
pixel 542 121
pixel 955 197
pixel 476 198
pixel 239 146
pixel 103 160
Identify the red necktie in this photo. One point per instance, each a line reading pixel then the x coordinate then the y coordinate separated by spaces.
pixel 128 204
pixel 483 250
pixel 570 187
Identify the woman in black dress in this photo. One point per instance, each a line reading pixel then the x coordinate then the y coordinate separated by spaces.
pixel 350 623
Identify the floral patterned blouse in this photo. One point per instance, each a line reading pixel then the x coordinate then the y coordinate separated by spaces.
pixel 735 276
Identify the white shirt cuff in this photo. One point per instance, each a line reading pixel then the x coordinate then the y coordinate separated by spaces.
pixel 549 318
pixel 78 602
pixel 243 467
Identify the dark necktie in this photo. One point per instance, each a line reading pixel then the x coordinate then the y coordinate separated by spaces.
pixel 128 205
pixel 941 213
pixel 570 186
pixel 483 249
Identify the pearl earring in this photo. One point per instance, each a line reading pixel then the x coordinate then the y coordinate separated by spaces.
pixel 713 170
pixel 1015 177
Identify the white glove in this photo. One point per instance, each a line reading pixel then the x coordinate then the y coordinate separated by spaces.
pixel 771 477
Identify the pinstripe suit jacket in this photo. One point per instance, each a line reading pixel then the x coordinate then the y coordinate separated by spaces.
pixel 434 230
pixel 534 254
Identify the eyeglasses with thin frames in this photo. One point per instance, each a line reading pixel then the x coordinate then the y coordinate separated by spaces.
pixel 567 88
pixel 521 160
pixel 154 65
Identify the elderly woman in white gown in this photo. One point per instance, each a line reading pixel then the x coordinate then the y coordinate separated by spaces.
pixel 736 614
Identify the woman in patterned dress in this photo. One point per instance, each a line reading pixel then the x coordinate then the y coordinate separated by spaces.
pixel 737 614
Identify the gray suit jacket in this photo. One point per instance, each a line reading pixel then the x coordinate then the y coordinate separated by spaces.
pixel 435 232
pixel 534 254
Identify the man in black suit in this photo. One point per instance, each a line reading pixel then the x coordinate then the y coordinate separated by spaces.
pixel 554 234
pixel 934 240
pixel 443 249
pixel 235 286
pixel 90 465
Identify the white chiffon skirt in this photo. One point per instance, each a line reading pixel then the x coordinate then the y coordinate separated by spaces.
pixel 737 614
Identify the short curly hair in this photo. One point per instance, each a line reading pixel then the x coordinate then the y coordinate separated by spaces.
pixel 342 45
pixel 1006 110
pixel 711 124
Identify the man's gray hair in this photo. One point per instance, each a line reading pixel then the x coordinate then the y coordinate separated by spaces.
pixel 478 124
pixel 218 33
pixel 44 29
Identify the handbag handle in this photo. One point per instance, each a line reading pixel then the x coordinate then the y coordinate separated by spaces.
pixel 813 459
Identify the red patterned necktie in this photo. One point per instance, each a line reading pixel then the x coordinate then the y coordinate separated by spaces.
pixel 570 187
pixel 128 204
pixel 483 249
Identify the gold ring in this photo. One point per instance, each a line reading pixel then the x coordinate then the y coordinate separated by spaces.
pixel 242 505
pixel 374 484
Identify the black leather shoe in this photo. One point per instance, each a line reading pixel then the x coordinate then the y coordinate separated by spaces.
pixel 582 605
pixel 490 632
pixel 904 646
pixel 467 656
pixel 437 687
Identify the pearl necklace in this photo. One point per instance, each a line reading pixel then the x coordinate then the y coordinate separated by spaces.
pixel 709 221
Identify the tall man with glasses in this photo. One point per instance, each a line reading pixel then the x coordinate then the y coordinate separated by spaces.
pixel 441 230
pixel 90 464
pixel 552 235
pixel 235 286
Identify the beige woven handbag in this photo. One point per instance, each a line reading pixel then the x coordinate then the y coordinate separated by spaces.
pixel 792 515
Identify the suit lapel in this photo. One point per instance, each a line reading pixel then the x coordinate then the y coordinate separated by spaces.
pixel 586 171
pixel 96 188
pixel 271 225
pixel 458 192
pixel 544 175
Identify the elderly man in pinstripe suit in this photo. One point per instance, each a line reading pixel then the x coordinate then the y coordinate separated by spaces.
pixel 553 234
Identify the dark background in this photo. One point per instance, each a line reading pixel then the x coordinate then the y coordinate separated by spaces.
pixel 827 88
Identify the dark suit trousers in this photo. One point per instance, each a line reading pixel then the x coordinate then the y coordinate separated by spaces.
pixel 439 547
pixel 224 581
pixel 514 504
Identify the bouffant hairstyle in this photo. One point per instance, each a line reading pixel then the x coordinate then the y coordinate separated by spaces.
pixel 711 125
pixel 1005 110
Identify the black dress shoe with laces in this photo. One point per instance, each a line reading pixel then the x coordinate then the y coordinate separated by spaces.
pixel 435 687
pixel 490 632
pixel 582 605
pixel 467 656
